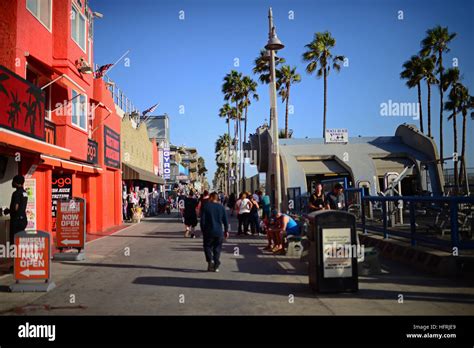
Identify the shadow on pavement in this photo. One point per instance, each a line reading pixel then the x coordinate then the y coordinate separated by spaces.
pixel 118 265
pixel 298 289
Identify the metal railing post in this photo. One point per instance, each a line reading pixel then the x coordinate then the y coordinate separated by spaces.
pixel 412 223
pixel 453 209
pixel 384 217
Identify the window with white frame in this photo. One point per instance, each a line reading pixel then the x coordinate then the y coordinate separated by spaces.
pixel 79 110
pixel 41 9
pixel 78 28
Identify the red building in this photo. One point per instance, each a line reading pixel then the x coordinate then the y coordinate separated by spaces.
pixel 57 123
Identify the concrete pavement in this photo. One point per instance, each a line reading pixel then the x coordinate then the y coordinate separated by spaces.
pixel 150 269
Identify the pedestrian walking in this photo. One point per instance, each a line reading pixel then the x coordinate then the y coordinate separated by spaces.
pixel 215 229
pixel 203 200
pixel 17 210
pixel 335 199
pixel 190 215
pixel 243 206
pixel 231 203
pixel 254 220
pixel 317 200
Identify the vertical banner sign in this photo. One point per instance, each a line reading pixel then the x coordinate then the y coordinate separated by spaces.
pixel 111 148
pixel 61 189
pixel 32 261
pixel 92 151
pixel 166 164
pixel 71 223
pixel 30 188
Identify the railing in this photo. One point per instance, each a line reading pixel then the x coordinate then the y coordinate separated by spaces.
pixel 429 219
pixel 119 97
pixel 50 132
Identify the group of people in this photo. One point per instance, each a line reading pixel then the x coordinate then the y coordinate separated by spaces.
pixel 334 200
pixel 151 203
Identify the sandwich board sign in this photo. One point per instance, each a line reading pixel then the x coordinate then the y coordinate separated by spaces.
pixel 71 228
pixel 336 136
pixel 32 264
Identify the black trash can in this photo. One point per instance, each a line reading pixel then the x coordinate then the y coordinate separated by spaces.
pixel 333 252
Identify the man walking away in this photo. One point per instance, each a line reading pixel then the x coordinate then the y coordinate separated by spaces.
pixel 17 211
pixel 190 215
pixel 215 228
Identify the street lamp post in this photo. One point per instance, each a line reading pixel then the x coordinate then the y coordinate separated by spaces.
pixel 274 44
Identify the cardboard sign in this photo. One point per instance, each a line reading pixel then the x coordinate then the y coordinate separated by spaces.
pixel 32 260
pixel 71 223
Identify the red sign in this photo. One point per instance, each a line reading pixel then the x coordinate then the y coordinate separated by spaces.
pixel 21 105
pixel 70 223
pixel 32 260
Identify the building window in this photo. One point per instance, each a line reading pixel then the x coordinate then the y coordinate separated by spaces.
pixel 79 112
pixel 78 28
pixel 41 9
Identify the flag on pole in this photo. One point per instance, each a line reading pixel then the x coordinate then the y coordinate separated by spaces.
pixel 101 71
pixel 150 110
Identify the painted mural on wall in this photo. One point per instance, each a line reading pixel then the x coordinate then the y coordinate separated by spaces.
pixel 21 105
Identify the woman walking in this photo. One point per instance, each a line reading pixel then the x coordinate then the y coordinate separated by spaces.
pixel 190 215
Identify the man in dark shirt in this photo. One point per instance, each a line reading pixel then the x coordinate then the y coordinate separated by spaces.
pixel 335 199
pixel 17 211
pixel 215 228
pixel 316 200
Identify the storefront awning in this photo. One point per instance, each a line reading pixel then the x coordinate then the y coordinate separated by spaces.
pixel 14 139
pixel 133 173
pixel 76 166
pixel 392 165
pixel 322 167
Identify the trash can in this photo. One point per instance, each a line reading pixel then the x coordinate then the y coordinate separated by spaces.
pixel 333 252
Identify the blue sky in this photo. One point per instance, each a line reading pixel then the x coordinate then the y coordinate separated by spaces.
pixel 183 62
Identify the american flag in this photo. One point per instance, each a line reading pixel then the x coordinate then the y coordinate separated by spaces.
pixel 101 71
pixel 150 110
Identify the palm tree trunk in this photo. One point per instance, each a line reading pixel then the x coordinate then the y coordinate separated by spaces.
pixel 429 109
pixel 420 108
pixel 462 174
pixel 245 140
pixel 455 138
pixel 286 111
pixel 228 157
pixel 440 60
pixel 325 99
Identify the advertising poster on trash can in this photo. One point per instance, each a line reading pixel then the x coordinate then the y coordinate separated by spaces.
pixel 337 255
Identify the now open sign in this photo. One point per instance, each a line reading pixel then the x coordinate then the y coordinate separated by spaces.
pixel 71 223
pixel 32 259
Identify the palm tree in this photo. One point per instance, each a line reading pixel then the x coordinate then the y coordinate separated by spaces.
pixel 427 70
pixel 15 108
pixel 262 68
pixel 319 55
pixel 286 76
pixel 229 113
pixel 413 74
pixel 435 44
pixel 249 91
pixel 451 79
pixel 285 133
pixel 221 146
pixel 233 91
pixel 466 103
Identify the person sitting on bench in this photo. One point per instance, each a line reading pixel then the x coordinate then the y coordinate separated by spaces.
pixel 285 226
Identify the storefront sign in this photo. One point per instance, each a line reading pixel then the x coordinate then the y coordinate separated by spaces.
pixel 30 188
pixel 61 189
pixel 71 223
pixel 336 136
pixel 32 260
pixel 21 105
pixel 337 252
pixel 166 164
pixel 112 148
pixel 92 152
